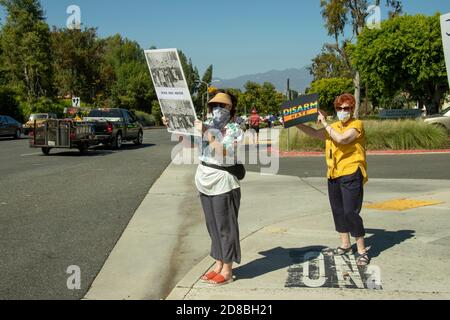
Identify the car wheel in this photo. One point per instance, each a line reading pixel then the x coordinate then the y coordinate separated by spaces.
pixel 46 151
pixel 82 148
pixel 118 141
pixel 140 139
pixel 18 134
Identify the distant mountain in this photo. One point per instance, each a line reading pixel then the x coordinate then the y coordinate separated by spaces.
pixel 300 79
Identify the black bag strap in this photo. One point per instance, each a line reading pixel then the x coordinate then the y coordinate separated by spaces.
pixel 217 167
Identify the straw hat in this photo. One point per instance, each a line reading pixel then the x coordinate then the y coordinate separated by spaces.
pixel 221 98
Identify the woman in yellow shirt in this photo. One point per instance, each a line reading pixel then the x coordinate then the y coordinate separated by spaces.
pixel 347 173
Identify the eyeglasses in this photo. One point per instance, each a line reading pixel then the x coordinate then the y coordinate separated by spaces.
pixel 344 109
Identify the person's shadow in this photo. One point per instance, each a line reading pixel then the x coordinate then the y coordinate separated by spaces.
pixel 382 240
pixel 281 258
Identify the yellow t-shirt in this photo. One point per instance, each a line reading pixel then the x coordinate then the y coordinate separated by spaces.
pixel 344 160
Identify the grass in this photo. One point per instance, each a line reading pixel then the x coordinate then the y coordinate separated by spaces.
pixel 380 135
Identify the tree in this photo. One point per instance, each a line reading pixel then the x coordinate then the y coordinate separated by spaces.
pixel 338 14
pixel 190 72
pixel 405 55
pixel 264 98
pixel 8 104
pixel 25 45
pixel 329 64
pixel 202 88
pixel 125 76
pixel 77 56
pixel 329 89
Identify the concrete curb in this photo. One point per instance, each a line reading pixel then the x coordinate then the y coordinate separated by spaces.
pixel 293 154
pixel 188 282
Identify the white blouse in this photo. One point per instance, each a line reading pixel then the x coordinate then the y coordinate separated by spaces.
pixel 213 182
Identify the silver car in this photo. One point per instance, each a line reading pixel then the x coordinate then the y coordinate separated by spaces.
pixel 441 120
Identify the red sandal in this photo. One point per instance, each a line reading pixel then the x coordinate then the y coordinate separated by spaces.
pixel 220 280
pixel 209 276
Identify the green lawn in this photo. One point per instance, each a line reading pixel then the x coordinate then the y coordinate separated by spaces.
pixel 381 135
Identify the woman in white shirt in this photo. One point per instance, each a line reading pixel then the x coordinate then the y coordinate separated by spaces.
pixel 217 180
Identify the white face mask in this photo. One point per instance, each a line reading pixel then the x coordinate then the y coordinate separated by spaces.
pixel 344 116
pixel 221 117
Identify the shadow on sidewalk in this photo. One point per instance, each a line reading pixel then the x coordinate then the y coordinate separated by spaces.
pixel 281 258
pixel 382 240
pixel 275 259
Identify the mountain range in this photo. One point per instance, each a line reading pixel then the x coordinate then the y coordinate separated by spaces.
pixel 300 79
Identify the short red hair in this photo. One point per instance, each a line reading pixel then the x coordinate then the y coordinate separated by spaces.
pixel 345 98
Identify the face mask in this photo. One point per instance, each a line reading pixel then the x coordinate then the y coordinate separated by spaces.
pixel 221 117
pixel 344 116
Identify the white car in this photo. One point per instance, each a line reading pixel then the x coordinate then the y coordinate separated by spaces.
pixel 442 119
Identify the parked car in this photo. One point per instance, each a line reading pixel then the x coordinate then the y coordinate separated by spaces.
pixel 114 126
pixel 39 118
pixel 441 120
pixel 10 127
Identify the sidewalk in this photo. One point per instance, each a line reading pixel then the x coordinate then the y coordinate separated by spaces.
pixel 283 219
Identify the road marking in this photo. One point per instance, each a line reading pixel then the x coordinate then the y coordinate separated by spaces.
pixel 30 154
pixel 401 205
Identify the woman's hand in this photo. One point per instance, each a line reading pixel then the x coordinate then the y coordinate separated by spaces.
pixel 165 122
pixel 199 127
pixel 322 119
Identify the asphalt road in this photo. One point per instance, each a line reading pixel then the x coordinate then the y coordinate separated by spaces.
pixel 68 209
pixel 421 166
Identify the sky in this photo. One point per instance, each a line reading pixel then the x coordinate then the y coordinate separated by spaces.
pixel 237 37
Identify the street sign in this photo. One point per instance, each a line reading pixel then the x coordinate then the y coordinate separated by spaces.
pixel 400 114
pixel 76 102
pixel 445 27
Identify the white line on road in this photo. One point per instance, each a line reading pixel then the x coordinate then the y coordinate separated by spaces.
pixel 30 154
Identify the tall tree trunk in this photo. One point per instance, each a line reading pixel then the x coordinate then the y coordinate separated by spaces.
pixel 357 83
pixel 437 98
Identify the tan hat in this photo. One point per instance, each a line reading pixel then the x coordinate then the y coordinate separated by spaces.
pixel 221 98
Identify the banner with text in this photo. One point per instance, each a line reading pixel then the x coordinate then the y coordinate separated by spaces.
pixel 302 110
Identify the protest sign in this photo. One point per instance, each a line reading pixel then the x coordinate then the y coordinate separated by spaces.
pixel 172 90
pixel 301 110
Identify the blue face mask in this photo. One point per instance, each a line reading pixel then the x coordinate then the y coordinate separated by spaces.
pixel 221 117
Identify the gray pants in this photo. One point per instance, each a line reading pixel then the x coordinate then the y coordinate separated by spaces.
pixel 221 214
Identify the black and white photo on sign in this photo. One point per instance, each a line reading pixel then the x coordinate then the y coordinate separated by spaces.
pixel 180 115
pixel 166 69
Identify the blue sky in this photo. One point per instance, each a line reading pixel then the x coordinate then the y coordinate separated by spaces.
pixel 237 36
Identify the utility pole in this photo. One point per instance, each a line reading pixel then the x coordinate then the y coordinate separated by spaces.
pixel 289 98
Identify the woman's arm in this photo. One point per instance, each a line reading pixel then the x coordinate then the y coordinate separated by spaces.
pixel 347 137
pixel 318 134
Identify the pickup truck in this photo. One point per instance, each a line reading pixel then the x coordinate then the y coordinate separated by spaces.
pixel 112 127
